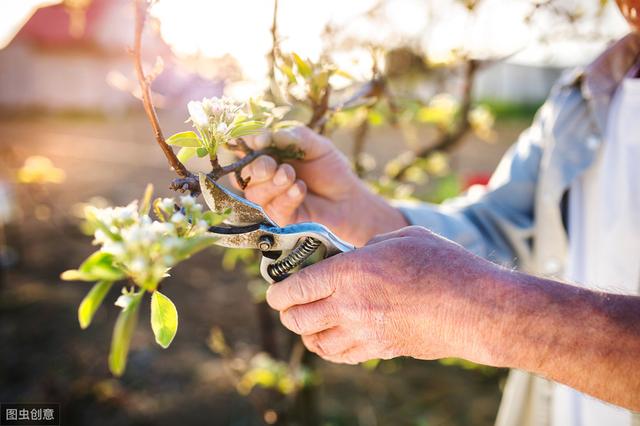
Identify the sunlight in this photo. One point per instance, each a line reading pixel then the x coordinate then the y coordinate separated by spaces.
pixel 241 29
pixel 14 14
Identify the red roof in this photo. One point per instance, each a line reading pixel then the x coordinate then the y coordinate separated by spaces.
pixel 52 25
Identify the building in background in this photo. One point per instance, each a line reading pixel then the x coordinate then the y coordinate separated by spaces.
pixel 65 58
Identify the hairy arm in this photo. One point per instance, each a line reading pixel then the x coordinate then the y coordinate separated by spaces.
pixel 413 293
pixel 585 339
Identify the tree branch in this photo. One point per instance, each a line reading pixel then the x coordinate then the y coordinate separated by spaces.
pixel 188 181
pixel 140 18
pixel 450 139
pixel 273 53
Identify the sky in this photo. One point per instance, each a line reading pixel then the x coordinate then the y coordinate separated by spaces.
pixel 14 13
pixel 241 28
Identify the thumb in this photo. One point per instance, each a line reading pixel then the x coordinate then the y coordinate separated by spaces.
pixel 312 144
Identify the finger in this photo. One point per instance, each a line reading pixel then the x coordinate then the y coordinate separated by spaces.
pixel 310 318
pixel 329 342
pixel 312 144
pixel 264 192
pixel 258 141
pixel 260 170
pixel 354 355
pixel 308 285
pixel 283 208
pixel 407 231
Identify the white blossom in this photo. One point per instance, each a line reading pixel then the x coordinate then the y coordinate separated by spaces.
pixel 178 218
pixel 187 201
pixel 167 204
pixel 198 114
pixel 145 248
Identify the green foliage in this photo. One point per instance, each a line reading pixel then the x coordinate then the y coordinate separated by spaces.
pixel 307 80
pixel 123 330
pixel 97 267
pixel 503 110
pixel 217 121
pixel 164 319
pixel 187 139
pixel 269 373
pixel 92 302
pixel 136 247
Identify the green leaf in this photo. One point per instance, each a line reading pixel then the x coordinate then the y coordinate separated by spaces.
pixel 158 211
pixel 286 70
pixel 91 302
pixel 303 66
pixel 164 319
pixel 186 153
pixel 145 203
pixel 246 128
pixel 75 275
pixel 185 139
pixel 213 218
pixel 287 124
pixel 202 152
pixel 122 332
pixel 93 223
pixel 97 267
pixel 193 245
pixel 344 74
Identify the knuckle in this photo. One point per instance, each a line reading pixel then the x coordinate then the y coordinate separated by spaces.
pixel 417 230
pixel 292 318
pixel 298 290
pixel 319 344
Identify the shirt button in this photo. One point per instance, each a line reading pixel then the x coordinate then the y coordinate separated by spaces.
pixel 593 142
pixel 551 266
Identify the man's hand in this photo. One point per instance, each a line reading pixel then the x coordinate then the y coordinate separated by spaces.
pixel 405 293
pixel 319 188
pixel 413 293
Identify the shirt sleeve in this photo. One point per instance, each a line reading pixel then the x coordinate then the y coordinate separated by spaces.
pixel 495 222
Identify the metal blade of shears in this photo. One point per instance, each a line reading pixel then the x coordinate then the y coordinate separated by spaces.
pixel 243 211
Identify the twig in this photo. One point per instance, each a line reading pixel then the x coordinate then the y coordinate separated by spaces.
pixel 141 15
pixel 188 181
pixel 359 139
pixel 273 53
pixel 450 139
pixel 370 92
pixel 320 109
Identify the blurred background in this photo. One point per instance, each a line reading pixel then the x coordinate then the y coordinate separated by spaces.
pixel 462 79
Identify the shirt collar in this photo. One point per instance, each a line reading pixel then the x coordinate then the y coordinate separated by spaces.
pixel 599 80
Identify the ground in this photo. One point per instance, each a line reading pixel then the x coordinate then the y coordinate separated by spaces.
pixel 46 357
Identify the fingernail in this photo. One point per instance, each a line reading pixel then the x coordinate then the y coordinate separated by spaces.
pixel 287 134
pixel 281 177
pixel 294 192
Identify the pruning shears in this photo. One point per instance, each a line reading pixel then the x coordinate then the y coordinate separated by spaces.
pixel 284 249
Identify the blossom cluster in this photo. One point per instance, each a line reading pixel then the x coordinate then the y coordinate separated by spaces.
pixel 145 249
pixel 214 117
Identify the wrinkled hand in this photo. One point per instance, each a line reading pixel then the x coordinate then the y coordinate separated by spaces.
pixel 407 293
pixel 319 188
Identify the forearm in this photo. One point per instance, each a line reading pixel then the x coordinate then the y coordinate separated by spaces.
pixel 585 339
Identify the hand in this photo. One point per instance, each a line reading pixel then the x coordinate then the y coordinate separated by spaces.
pixel 407 293
pixel 319 188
